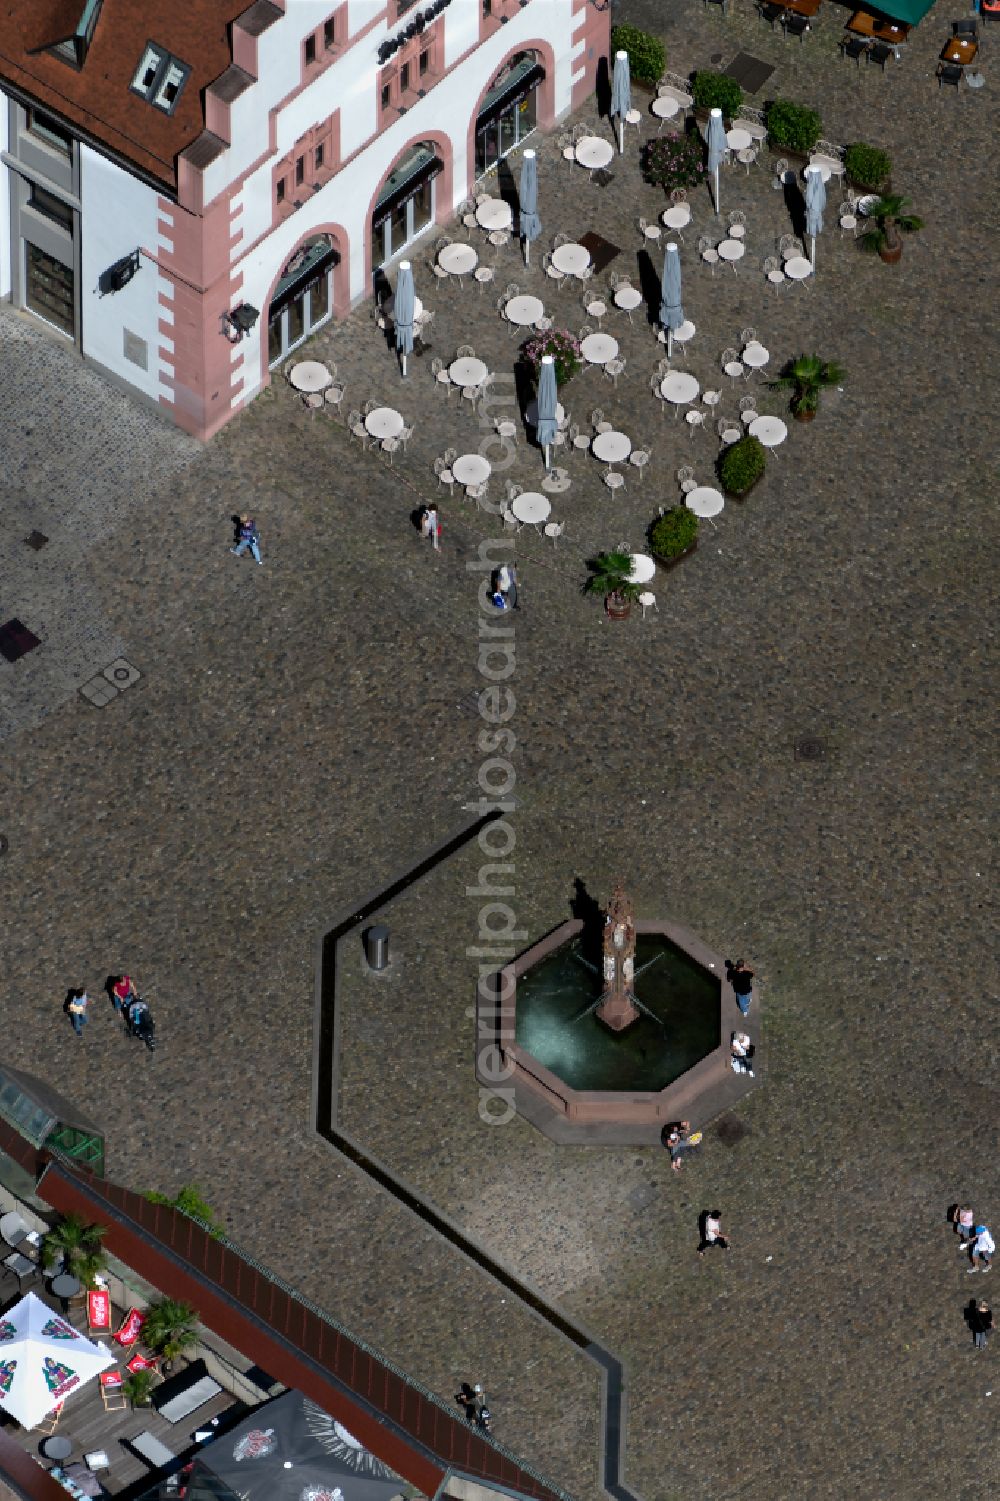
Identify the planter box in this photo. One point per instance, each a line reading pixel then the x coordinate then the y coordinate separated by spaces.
pixel 667 563
pixel 860 188
pixel 731 494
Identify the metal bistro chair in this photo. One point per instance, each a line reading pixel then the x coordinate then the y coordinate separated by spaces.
pixel 795 24
pixel 854 47
pixel 771 13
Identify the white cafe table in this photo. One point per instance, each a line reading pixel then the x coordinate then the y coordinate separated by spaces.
pixel 643 569
pixel 628 298
pixel 467 372
pixel 458 259
pixel 598 349
pixel 704 501
pixel 798 268
pixel 770 430
pixel 571 259
pixel 310 375
pixel 820 167
pixel 612 447
pixel 678 217
pixel 592 152
pixel 755 356
pixel 384 422
pixel 523 310
pixel 679 387
pixel 732 250
pixel 471 469
pixel 665 107
pixel 494 214
pixel 531 508
pixel 389 307
pixel 531 413
pixel 738 139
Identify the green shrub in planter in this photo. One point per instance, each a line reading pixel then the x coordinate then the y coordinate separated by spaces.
pixel 647 57
pixel 674 161
pixel 741 465
pixel 717 91
pixel 673 532
pixel 792 127
pixel 867 166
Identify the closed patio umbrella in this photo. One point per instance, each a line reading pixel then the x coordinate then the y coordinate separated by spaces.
pixel 715 139
pixel 621 95
pixel 671 312
pixel 815 204
pixel 403 309
pixel 548 400
pixel 530 224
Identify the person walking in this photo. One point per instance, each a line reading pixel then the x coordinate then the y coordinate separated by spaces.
pixel 507 584
pixel 965 1222
pixel 122 992
pixel 711 1232
pixel 981 1249
pixel 76 1008
pixel 468 1402
pixel 430 526
pixel 981 1323
pixel 249 539
pixel 741 979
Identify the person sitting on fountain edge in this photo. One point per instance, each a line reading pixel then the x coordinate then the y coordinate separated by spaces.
pixel 675 1138
pixel 742 1050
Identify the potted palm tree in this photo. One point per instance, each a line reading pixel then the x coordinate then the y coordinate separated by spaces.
pixel 888 225
pixel 610 576
pixel 77 1247
pixel 169 1329
pixel 137 1387
pixel 806 377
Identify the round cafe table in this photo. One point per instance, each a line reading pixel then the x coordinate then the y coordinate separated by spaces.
pixel 770 430
pixel 627 298
pixel 467 372
pixel 598 349
pixel 471 469
pixel 309 375
pixel 738 139
pixel 531 508
pixel 531 413
pixel 665 107
pixel 732 250
pixel 678 217
pixel 389 308
pixel 820 167
pixel 679 387
pixel 384 422
pixel 643 569
pixel 571 259
pixel 523 310
pixel 57 1447
pixel 458 259
pixel 755 356
pixel 65 1286
pixel 611 448
pixel 494 214
pixel 592 152
pixel 798 268
pixel 704 501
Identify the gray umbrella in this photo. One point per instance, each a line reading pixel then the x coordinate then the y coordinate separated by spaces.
pixel 403 310
pixel 548 400
pixel 715 139
pixel 815 204
pixel 621 95
pixel 671 312
pixel 530 224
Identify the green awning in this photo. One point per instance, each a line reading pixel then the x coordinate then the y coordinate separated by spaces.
pixel 910 11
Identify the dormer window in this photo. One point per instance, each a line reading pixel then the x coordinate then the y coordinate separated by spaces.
pixel 160 78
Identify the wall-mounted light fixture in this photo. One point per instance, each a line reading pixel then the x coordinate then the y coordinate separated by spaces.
pixel 238 323
pixel 118 276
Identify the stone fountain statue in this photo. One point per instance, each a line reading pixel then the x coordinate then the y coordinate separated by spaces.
pixel 617 1008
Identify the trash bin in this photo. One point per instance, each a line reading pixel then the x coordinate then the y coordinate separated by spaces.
pixel 377 947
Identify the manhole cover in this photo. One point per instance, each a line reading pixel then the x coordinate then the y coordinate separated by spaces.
pixel 641 1197
pixel 810 749
pixel 730 1130
pixel 36 540
pixel 716 58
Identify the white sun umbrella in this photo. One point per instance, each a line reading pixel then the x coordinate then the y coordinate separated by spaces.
pixel 43 1360
pixel 621 95
pixel 403 308
pixel 529 224
pixel 815 204
pixel 715 139
pixel 547 402
pixel 671 312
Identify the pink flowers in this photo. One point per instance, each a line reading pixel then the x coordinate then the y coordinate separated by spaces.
pixel 564 348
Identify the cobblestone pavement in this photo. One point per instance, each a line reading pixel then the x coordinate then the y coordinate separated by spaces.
pixel 295 739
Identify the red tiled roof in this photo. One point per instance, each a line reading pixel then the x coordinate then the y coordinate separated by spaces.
pixel 98 98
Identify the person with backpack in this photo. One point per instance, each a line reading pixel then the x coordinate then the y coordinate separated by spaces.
pixel 249 539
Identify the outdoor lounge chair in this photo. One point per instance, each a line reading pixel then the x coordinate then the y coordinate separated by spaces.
pixel 99 1311
pixel 111 1391
pixel 131 1328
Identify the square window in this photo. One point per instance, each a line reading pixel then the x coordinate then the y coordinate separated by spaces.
pixel 280 190
pixel 330 32
pixel 424 62
pixel 310 50
pixel 386 96
pixel 145 75
pixel 52 207
pixel 49 131
pixel 487 7
pixel 404 78
pixel 173 81
pixel 300 169
pixel 318 155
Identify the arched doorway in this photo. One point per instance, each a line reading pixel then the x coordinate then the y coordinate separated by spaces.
pixel 509 109
pixel 404 206
pixel 302 298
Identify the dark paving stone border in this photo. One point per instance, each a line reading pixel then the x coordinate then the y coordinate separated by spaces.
pixel 326 1081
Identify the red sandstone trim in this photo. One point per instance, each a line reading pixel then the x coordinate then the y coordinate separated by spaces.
pixel 546 96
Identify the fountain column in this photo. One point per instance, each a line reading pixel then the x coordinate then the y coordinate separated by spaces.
pixel 617 1009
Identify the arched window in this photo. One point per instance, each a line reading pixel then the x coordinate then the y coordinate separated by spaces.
pixel 405 204
pixel 508 112
pixel 302 299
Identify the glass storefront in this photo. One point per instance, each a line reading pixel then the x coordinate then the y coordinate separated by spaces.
pixel 509 112
pixel 302 298
pixel 405 206
pixel 48 287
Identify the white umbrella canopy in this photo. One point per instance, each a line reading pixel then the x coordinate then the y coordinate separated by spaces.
pixel 43 1359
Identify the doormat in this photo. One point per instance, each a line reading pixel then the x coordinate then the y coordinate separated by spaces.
pixel 16 640
pixel 749 72
pixel 602 252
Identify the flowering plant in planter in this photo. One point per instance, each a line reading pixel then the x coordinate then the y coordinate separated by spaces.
pixel 564 348
pixel 675 161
